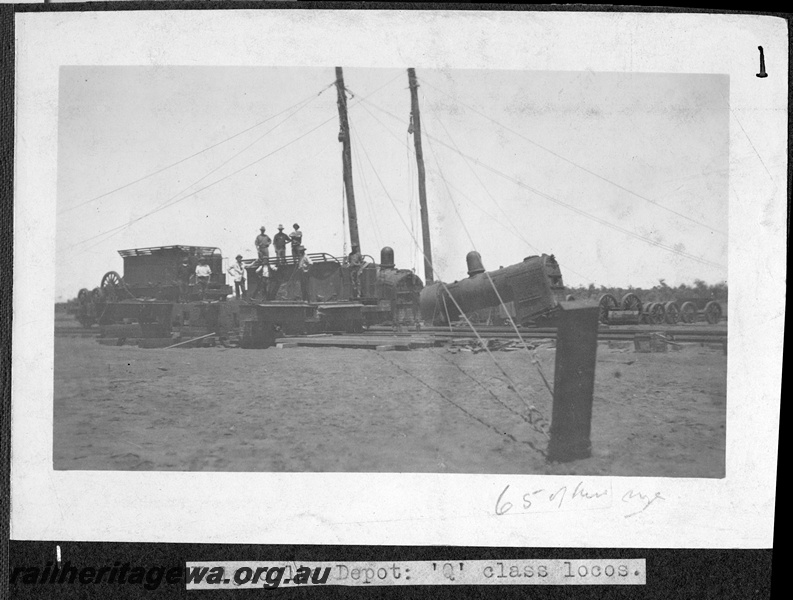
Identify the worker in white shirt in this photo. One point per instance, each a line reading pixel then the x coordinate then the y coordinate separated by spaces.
pixel 303 266
pixel 237 272
pixel 202 274
pixel 262 285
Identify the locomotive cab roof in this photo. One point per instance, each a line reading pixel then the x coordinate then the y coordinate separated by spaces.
pixel 198 250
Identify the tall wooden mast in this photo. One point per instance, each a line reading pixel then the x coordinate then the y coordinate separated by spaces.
pixel 415 119
pixel 346 157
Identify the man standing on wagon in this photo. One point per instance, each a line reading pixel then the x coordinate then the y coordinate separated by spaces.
pixel 263 245
pixel 202 274
pixel 280 241
pixel 237 272
pixel 296 237
pixel 184 272
pixel 303 267
pixel 355 263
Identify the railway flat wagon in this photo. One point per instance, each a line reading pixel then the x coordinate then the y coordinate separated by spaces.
pixel 386 294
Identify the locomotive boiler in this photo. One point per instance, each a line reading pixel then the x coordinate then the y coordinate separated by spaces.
pixel 530 290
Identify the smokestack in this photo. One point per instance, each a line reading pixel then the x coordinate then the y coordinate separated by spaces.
pixel 387 258
pixel 474 261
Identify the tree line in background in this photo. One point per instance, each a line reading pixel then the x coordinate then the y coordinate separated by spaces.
pixel 658 293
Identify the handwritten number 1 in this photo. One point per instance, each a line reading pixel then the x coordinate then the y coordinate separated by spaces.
pixel 762 72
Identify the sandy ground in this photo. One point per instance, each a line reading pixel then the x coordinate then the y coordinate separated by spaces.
pixel 331 409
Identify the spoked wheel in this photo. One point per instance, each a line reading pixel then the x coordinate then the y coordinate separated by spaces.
pixel 672 312
pixel 688 312
pixel 631 301
pixel 83 296
pixel 656 313
pixel 111 285
pixel 713 312
pixel 97 296
pixel 607 302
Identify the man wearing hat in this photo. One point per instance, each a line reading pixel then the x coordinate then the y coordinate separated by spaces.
pixel 183 272
pixel 237 272
pixel 355 263
pixel 263 244
pixel 296 237
pixel 202 274
pixel 280 241
pixel 303 266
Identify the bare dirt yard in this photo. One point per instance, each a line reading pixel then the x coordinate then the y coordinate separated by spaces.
pixel 333 410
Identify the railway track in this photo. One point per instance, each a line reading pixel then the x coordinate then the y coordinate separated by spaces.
pixel 625 334
pixel 678 334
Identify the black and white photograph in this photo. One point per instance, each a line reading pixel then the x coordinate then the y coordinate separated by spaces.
pixel 330 269
pixel 493 278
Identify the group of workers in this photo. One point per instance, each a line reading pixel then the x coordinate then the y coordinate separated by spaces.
pixel 279 242
pixel 265 269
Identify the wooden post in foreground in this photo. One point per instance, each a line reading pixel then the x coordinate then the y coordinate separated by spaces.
pixel 574 382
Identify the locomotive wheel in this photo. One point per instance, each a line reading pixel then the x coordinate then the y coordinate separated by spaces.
pixel 656 312
pixel 672 312
pixel 688 312
pixel 97 296
pixel 83 295
pixel 607 302
pixel 111 284
pixel 631 301
pixel 713 312
pixel 646 313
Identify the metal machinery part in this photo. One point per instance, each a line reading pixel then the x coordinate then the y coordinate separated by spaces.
pixel 607 303
pixel 713 312
pixel 672 313
pixel 631 301
pixel 656 313
pixel 688 312
pixel 111 286
pixel 531 287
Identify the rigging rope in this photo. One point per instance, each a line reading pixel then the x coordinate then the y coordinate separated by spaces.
pixel 464 410
pixel 567 160
pixel 565 204
pixel 215 145
pixel 533 355
pixel 513 386
pixel 510 222
pixel 541 425
pixel 173 200
pixel 367 194
pixel 112 232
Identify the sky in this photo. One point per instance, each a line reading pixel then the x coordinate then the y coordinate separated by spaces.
pixel 622 176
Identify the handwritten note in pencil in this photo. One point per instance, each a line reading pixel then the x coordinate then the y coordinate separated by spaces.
pixel 574 495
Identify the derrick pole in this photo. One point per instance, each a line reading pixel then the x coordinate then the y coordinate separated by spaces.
pixel 346 157
pixel 415 122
